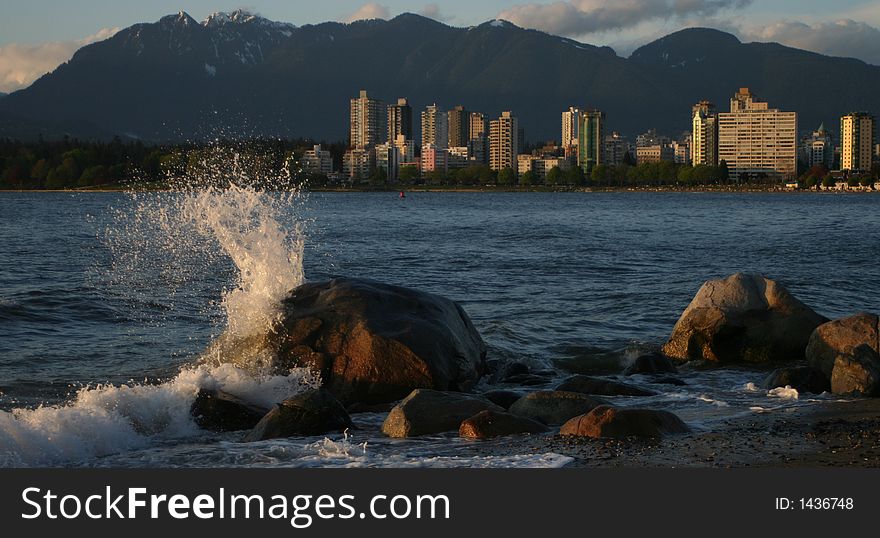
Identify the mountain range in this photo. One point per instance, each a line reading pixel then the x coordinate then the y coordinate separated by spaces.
pixel 239 75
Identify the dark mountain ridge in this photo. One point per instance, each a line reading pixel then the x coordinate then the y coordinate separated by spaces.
pixel 241 75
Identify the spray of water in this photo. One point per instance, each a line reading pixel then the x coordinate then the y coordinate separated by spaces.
pixel 220 230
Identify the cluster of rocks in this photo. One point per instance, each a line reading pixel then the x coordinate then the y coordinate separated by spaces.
pixel 377 346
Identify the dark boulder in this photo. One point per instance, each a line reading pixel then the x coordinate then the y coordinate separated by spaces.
pixel 312 412
pixel 802 378
pixel 622 423
pixel 651 363
pixel 857 373
pixel 842 337
pixel 488 424
pixel 502 398
pixel 370 342
pixel 427 411
pixel 602 387
pixel 219 411
pixel 742 318
pixel 553 407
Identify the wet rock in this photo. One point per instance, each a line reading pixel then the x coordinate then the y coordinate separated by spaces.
pixel 742 318
pixel 554 407
pixel 857 373
pixel 312 412
pixel 602 387
pixel 427 411
pixel 526 380
pixel 842 337
pixel 512 369
pixel 802 378
pixel 488 424
pixel 372 342
pixel 651 363
pixel 622 423
pixel 502 398
pixel 666 380
pixel 219 411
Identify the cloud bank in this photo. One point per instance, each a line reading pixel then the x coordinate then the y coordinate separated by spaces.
pixel 844 37
pixel 371 10
pixel 580 17
pixel 21 64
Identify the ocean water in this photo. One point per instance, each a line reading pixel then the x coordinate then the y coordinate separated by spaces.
pixel 107 301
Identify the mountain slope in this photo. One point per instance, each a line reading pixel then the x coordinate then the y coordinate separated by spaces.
pixel 239 75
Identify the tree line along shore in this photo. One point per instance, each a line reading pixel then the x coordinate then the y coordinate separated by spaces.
pixel 72 164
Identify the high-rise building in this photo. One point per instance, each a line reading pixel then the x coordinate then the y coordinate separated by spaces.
pixel 406 148
pixel 399 120
pixel 591 139
pixel 317 160
pixel 818 148
pixel 755 140
pixel 434 127
pixel 388 158
pixel 476 126
pixel 571 121
pixel 357 163
pixel 615 149
pixel 856 141
pixel 458 121
pixel 503 142
pixel 367 122
pixel 704 134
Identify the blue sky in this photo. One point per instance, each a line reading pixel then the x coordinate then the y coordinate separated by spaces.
pixel 37 35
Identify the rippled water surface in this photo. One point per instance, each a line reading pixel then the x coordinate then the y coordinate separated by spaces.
pixel 86 298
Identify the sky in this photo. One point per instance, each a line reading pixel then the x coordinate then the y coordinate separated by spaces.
pixel 38 35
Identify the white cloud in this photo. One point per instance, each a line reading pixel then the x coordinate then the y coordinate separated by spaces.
pixel 579 17
pixel 432 11
pixel 843 37
pixel 371 10
pixel 21 64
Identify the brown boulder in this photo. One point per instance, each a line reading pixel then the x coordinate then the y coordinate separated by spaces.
pixel 621 423
pixel 857 373
pixel 553 406
pixel 742 318
pixel 370 342
pixel 427 411
pixel 842 337
pixel 802 378
pixel 219 411
pixel 312 412
pixel 487 424
pixel 651 363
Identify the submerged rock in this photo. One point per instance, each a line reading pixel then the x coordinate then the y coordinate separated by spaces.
pixel 842 337
pixel 622 423
pixel 554 407
pixel 602 387
pixel 488 424
pixel 742 318
pixel 857 373
pixel 312 412
pixel 502 398
pixel 219 411
pixel 802 378
pixel 374 343
pixel 427 411
pixel 651 363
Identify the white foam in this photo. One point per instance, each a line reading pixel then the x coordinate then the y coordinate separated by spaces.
pixel 109 419
pixel 785 393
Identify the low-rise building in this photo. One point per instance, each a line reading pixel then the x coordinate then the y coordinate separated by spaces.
pixel 317 160
pixel 357 163
pixel 434 159
pixel 655 153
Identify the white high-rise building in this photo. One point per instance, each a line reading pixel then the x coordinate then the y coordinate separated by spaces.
pixel 856 141
pixel 434 127
pixel 757 141
pixel 818 148
pixel 571 121
pixel 704 134
pixel 367 122
pixel 503 142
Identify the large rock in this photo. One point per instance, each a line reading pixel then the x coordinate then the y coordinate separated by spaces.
pixel 842 337
pixel 312 412
pixel 802 378
pixel 372 342
pixel 857 373
pixel 621 423
pixel 554 406
pixel 742 318
pixel 602 387
pixel 427 411
pixel 503 398
pixel 488 424
pixel 219 411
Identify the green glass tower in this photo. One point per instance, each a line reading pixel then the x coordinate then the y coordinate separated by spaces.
pixel 590 140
